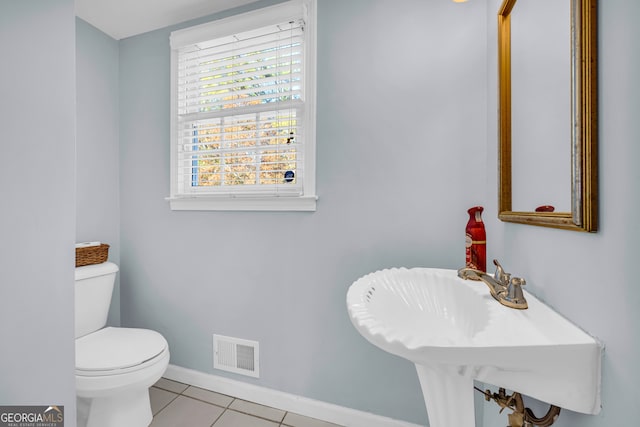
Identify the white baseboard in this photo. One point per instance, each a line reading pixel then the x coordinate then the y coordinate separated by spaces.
pixel 287 402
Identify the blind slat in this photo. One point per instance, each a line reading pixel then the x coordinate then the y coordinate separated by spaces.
pixel 224 52
pixel 239 102
pixel 197 77
pixel 283 110
pixel 258 150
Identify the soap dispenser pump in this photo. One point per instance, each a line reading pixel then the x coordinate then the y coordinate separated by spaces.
pixel 476 240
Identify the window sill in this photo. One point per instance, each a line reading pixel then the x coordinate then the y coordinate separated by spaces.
pixel 204 203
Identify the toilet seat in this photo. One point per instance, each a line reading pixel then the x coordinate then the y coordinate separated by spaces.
pixel 113 351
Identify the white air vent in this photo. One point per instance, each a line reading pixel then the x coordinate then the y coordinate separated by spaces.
pixel 236 355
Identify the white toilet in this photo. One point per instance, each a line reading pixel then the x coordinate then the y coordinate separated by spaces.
pixel 114 366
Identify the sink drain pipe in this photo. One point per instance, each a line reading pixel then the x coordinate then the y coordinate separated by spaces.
pixel 521 416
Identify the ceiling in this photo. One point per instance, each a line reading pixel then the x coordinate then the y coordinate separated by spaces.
pixel 125 18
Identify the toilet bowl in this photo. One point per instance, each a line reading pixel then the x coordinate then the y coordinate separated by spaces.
pixel 114 366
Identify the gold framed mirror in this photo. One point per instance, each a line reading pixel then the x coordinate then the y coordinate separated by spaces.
pixel 579 211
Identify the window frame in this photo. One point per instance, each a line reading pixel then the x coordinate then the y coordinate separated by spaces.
pixel 306 201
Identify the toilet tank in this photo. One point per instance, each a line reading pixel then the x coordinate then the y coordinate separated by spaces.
pixel 93 290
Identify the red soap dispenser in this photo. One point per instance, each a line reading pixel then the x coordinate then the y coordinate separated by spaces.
pixel 476 240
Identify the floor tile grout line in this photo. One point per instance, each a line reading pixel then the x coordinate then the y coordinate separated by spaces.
pixel 225 408
pixel 165 406
pixel 233 399
pixel 255 416
pixel 218 419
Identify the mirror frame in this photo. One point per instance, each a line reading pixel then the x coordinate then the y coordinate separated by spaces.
pixel 584 118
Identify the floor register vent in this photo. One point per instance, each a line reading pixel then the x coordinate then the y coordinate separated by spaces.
pixel 236 355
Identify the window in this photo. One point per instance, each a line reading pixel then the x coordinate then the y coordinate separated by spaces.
pixel 243 111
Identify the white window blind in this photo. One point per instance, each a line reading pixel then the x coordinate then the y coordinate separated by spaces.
pixel 243 111
pixel 240 100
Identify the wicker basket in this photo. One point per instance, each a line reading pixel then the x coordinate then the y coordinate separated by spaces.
pixel 92 255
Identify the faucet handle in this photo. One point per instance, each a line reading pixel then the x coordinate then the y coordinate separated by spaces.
pixel 515 297
pixel 518 281
pixel 501 276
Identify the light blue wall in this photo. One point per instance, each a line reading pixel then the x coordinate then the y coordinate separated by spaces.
pixel 97 146
pixel 589 278
pixel 401 152
pixel 37 219
pixel 281 278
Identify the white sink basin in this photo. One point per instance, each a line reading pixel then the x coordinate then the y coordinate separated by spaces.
pixel 455 332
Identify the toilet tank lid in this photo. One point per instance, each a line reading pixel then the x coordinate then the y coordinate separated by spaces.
pixel 95 270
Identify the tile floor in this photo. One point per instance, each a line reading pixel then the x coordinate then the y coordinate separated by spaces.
pixel 176 405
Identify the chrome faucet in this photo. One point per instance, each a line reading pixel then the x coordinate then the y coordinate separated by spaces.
pixel 505 289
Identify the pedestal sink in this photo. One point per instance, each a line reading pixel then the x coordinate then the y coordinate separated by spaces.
pixel 455 333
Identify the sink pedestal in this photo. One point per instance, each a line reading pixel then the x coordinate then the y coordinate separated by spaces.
pixel 448 396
